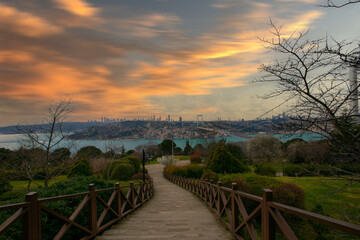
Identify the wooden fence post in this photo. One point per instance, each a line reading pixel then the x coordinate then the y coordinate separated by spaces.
pixel 234 208
pixel 211 200
pixel 118 199
pixel 219 200
pixel 31 222
pixel 141 192
pixel 92 212
pixel 267 222
pixel 132 195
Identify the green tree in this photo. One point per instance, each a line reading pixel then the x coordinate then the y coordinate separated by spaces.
pixel 167 146
pixel 267 147
pixel 188 150
pixel 88 152
pixel 222 161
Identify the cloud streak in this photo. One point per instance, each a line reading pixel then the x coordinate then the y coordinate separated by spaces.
pixel 109 64
pixel 77 7
pixel 24 23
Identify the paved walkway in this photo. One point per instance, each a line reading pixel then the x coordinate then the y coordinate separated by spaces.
pixel 173 213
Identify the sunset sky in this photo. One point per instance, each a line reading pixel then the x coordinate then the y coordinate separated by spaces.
pixel 120 58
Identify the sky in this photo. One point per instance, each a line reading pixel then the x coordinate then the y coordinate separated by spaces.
pixel 126 58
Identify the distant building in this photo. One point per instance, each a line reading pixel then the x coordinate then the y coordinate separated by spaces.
pixel 180 119
pixel 169 119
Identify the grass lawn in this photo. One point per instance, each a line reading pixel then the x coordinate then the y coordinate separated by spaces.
pixel 154 161
pixel 338 203
pixel 23 184
pixel 182 158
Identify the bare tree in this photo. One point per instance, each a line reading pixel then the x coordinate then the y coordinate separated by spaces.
pixel 338 4
pixel 313 77
pixel 48 136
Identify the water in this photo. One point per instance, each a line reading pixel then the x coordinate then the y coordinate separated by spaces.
pixel 12 141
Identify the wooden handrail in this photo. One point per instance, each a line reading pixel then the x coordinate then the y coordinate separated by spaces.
pixel 228 203
pixel 30 210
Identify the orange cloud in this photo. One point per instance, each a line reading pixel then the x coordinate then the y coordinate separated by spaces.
pixel 120 68
pixel 25 23
pixel 77 7
pixel 15 56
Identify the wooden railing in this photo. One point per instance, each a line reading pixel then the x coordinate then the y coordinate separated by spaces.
pixel 30 211
pixel 228 205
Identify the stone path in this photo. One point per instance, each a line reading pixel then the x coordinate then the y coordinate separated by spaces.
pixel 173 213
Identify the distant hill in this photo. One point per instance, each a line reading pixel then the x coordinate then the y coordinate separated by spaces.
pixel 175 130
pixel 68 127
pixel 138 130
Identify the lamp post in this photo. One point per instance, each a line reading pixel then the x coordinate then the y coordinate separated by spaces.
pixel 143 165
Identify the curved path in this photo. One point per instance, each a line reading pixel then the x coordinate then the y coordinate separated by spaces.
pixel 173 213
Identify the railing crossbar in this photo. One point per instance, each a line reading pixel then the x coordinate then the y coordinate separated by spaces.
pixel 30 210
pixel 232 206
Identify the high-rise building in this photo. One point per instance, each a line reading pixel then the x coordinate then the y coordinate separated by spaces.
pixel 169 119
pixel 180 119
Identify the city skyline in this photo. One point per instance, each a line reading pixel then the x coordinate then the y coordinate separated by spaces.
pixel 154 57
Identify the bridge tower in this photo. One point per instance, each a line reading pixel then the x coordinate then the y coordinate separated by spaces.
pixel 199 121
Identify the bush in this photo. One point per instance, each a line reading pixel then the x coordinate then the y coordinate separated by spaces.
pixel 265 170
pixel 176 170
pixel 134 161
pixel 111 165
pixel 222 161
pixel 167 160
pixel 80 168
pixel 195 158
pixel 210 175
pixel 88 152
pixel 235 150
pixel 194 170
pixel 289 194
pixel 5 185
pixel 139 176
pixel 122 172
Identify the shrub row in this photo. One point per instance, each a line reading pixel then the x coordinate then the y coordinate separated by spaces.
pixel 189 171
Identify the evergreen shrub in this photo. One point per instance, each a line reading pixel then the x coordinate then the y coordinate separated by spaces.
pixel 65 207
pixel 139 176
pixel 210 175
pixel 122 172
pixel 79 168
pixel 134 161
pixel 111 165
pixel 176 170
pixel 222 161
pixel 194 170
